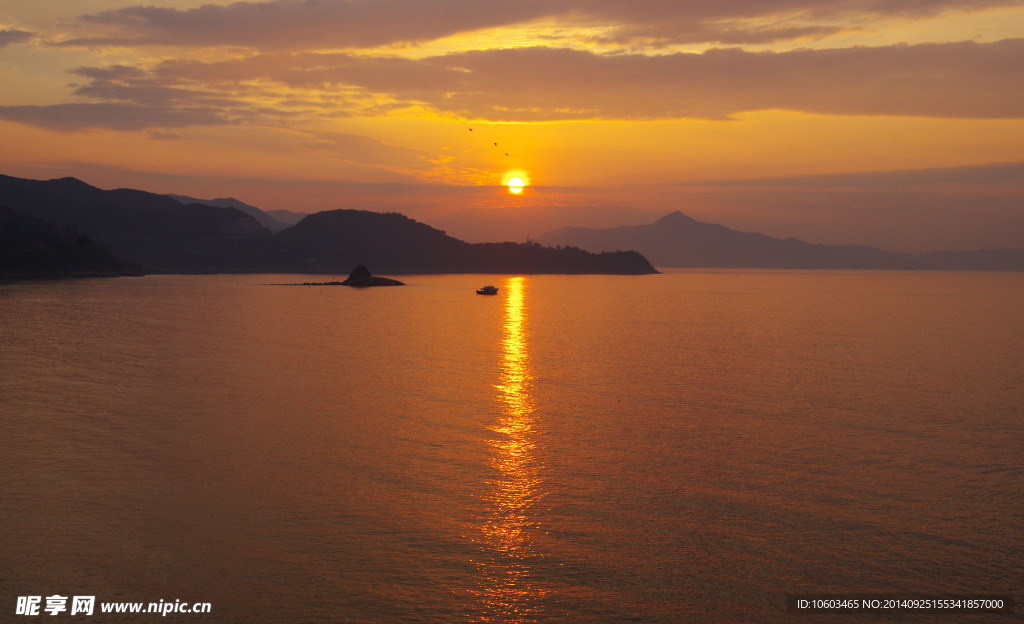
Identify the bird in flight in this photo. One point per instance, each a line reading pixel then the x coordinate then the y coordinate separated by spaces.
pixel 495 143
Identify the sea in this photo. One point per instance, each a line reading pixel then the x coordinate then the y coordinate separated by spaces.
pixel 692 446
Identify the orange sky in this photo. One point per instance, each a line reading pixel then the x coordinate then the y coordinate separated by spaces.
pixel 887 123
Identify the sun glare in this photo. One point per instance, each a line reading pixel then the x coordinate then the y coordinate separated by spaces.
pixel 515 185
pixel 516 180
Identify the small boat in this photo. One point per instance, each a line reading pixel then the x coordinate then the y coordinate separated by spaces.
pixel 488 290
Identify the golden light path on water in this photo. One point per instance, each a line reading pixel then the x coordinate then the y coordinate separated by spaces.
pixel 508 591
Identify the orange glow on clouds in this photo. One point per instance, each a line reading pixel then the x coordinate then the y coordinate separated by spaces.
pixel 578 97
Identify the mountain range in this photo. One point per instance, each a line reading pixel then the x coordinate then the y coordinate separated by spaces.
pixel 677 240
pixel 273 220
pixel 142 231
pixel 159 233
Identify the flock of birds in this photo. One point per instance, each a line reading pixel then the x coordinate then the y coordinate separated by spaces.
pixel 495 143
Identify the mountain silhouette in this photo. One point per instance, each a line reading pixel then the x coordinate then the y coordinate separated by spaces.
pixel 161 234
pixel 385 241
pixel 154 231
pixel 263 218
pixel 394 243
pixel 677 240
pixel 33 248
pixel 287 217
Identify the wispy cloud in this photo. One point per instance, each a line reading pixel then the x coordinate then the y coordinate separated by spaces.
pixel 77 116
pixel 361 149
pixel 957 80
pixel 303 24
pixel 12 35
pixel 989 175
pixel 324 24
pixel 952 80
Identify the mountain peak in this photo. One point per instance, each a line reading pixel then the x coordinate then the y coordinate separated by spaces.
pixel 70 182
pixel 675 218
pixel 677 240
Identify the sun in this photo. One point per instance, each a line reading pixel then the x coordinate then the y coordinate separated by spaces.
pixel 515 185
pixel 516 180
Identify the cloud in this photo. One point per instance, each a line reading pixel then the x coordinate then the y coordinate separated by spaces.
pixel 128 98
pixel 721 33
pixel 303 24
pixel 961 80
pixel 165 136
pixel 10 35
pixel 289 25
pixel 1009 174
pixel 111 116
pixel 954 80
pixel 365 150
pixel 951 80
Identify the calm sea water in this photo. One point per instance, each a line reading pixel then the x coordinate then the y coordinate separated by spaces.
pixel 686 447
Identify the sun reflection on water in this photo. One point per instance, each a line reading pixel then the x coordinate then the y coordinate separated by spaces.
pixel 509 593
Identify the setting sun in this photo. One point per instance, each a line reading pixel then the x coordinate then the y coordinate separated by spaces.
pixel 516 180
pixel 515 185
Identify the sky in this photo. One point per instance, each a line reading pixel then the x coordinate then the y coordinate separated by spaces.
pixel 894 123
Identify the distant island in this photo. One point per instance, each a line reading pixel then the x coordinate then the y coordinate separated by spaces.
pixel 360 277
pixel 160 234
pixel 677 240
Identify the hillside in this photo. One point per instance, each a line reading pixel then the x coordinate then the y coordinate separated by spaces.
pixel 33 248
pixel 337 239
pixel 677 240
pixel 263 218
pixel 161 234
pixel 394 243
pixel 151 230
